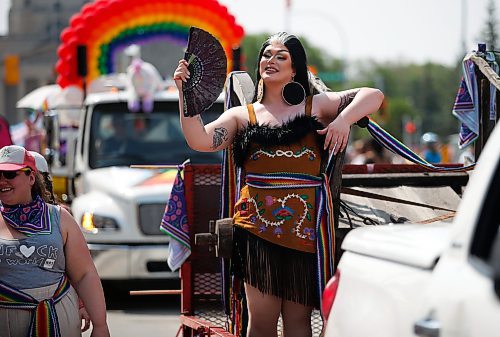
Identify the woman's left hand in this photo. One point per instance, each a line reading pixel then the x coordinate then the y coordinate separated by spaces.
pixel 337 135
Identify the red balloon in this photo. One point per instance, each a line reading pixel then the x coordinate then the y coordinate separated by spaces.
pixel 80 33
pixel 62 81
pixel 87 8
pixel 61 66
pixel 63 50
pixel 75 20
pixel 102 4
pixel 121 5
pixel 221 10
pixel 239 31
pixel 100 13
pixel 66 34
pixel 89 19
pixel 72 43
pixel 114 6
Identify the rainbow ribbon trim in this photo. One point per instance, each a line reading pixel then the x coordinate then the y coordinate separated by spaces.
pixel 395 146
pixel 44 322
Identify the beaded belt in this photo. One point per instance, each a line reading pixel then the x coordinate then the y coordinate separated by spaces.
pixel 325 238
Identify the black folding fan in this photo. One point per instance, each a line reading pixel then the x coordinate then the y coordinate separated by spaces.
pixel 207 68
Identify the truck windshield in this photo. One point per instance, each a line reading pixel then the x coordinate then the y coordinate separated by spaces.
pixel 122 138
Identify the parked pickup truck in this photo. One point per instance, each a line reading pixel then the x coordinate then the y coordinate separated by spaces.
pixel 440 279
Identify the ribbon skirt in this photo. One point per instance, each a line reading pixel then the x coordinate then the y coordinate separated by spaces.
pixel 16 322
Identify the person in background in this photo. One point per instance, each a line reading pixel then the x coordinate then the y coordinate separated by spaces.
pixel 44 255
pixel 5 138
pixel 280 142
pixel 376 153
pixel 356 152
pixel 431 153
pixel 43 167
pixel 369 151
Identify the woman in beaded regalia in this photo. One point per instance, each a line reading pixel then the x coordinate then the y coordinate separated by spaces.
pixel 281 141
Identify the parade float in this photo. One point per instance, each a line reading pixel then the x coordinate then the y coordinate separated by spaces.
pixel 120 208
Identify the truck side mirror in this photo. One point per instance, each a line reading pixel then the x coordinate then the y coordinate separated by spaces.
pixel 495 263
pixel 51 123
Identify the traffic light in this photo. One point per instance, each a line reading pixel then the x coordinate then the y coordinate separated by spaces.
pixel 384 110
pixel 11 69
pixel 410 127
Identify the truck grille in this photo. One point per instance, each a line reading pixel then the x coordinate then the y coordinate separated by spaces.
pixel 150 218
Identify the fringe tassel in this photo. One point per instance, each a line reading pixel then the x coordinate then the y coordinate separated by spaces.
pixel 274 270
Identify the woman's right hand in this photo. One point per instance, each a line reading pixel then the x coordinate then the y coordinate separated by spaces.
pixel 85 318
pixel 181 74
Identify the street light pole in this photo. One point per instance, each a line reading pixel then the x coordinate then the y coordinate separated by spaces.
pixel 464 27
pixel 288 5
pixel 333 24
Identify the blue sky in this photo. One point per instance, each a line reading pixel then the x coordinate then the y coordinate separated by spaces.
pixel 383 30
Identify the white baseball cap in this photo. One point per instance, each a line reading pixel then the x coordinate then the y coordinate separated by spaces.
pixel 41 163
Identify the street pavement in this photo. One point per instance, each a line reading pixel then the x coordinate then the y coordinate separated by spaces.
pixel 143 316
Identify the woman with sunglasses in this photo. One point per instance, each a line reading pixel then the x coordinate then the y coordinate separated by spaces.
pixel 42 254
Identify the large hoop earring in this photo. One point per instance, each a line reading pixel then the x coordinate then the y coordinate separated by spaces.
pixel 260 90
pixel 293 93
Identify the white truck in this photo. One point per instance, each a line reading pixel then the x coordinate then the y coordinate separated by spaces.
pixel 429 280
pixel 120 208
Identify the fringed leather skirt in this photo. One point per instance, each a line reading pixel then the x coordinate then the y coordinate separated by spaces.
pixel 275 270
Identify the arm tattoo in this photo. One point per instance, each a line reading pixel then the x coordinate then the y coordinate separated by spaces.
pixel 220 135
pixel 346 98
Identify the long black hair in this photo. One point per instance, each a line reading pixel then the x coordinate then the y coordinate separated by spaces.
pixel 298 55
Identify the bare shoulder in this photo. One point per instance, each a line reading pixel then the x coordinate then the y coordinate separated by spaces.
pixel 68 223
pixel 66 215
pixel 325 98
pixel 325 106
pixel 238 113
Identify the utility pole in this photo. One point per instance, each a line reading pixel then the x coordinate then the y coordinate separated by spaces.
pixel 288 7
pixel 464 28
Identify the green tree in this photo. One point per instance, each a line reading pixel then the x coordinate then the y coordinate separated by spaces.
pixel 315 56
pixel 423 92
pixel 490 31
pixel 250 48
pixel 428 89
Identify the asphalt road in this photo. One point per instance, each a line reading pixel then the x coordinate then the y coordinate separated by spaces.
pixel 143 316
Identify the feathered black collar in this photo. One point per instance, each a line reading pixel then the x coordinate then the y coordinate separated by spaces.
pixel 288 133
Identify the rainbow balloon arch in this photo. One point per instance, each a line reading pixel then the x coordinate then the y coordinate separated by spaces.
pixel 105 27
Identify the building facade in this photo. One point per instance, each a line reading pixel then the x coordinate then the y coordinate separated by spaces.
pixel 28 53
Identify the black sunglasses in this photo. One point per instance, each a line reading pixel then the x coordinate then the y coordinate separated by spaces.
pixel 12 174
